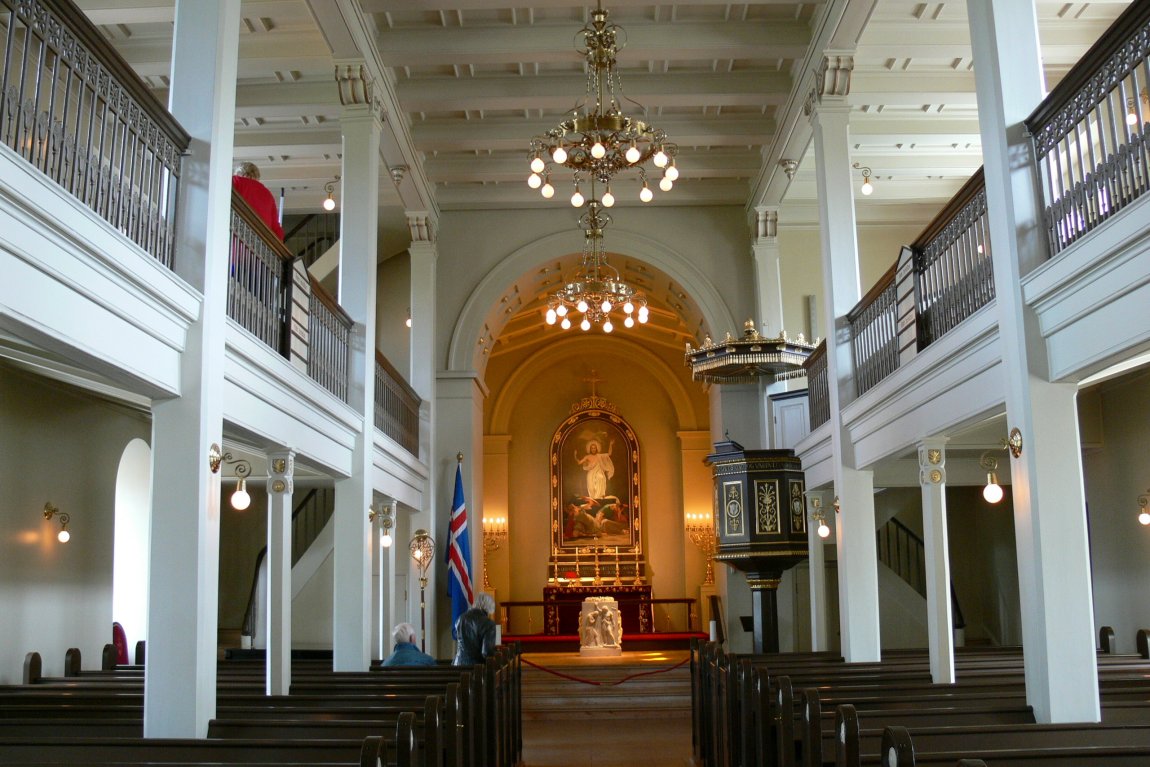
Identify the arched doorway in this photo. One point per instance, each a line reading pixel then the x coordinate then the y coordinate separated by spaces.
pixel 132 531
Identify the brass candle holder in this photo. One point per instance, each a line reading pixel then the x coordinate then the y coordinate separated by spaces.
pixel 701 529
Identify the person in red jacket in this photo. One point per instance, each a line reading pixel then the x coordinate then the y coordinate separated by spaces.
pixel 246 181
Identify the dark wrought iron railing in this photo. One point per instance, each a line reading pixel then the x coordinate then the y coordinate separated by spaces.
pixel 953 273
pixel 1090 134
pixel 396 406
pixel 874 333
pixel 329 332
pixel 259 278
pixel 819 402
pixel 900 549
pixel 74 109
pixel 310 236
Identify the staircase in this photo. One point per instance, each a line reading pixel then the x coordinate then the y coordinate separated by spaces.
pixel 663 695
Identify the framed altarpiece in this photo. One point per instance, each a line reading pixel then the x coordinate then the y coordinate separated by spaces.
pixel 596 504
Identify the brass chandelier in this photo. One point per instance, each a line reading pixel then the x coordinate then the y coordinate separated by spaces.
pixel 597 289
pixel 599 140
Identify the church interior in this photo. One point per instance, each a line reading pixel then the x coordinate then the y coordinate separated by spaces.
pixel 865 371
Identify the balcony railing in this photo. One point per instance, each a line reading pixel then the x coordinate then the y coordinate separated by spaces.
pixel 259 278
pixel 819 403
pixel 1090 134
pixel 953 273
pixel 329 331
pixel 74 109
pixel 874 333
pixel 396 406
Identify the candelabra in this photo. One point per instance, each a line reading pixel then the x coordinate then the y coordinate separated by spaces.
pixel 702 532
pixel 494 535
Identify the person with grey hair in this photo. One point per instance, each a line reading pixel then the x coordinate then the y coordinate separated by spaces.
pixel 405 652
pixel 476 632
pixel 246 182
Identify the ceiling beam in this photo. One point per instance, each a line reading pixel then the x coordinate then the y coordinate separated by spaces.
pixel 761 40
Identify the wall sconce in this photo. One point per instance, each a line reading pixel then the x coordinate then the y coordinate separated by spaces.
pixel 867 187
pixel 329 187
pixel 240 499
pixel 422 549
pixel 1143 502
pixel 386 514
pixel 700 528
pixel 64 536
pixel 992 493
pixel 494 535
pixel 818 515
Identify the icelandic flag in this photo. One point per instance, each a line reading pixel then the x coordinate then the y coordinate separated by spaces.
pixel 459 556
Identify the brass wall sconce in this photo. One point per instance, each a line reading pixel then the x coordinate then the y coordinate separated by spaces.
pixel 51 511
pixel 992 493
pixel 329 187
pixel 422 549
pixel 820 516
pixel 494 536
pixel 1143 513
pixel 386 515
pixel 240 498
pixel 867 187
pixel 700 528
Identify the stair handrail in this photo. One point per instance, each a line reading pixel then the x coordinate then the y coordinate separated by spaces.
pixel 957 617
pixel 248 625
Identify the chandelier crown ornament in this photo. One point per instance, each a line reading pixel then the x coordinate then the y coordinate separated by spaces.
pixel 599 140
pixel 597 289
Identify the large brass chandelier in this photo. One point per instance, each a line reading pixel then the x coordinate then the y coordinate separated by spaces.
pixel 597 290
pixel 599 140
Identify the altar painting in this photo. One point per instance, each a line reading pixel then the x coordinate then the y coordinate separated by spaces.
pixel 595 481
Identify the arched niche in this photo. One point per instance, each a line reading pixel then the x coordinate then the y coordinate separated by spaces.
pixel 132 532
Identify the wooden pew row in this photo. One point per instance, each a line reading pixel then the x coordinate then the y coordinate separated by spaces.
pixel 898 749
pixel 502 706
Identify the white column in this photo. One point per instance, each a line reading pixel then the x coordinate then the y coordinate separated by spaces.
pixel 360 124
pixel 459 428
pixel 1049 502
pixel 857 556
pixel 818 499
pixel 280 485
pixel 939 620
pixel 768 275
pixel 183 577
pixel 386 559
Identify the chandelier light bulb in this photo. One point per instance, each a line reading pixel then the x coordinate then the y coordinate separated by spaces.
pixel 548 191
pixel 608 327
pixel 628 307
pixel 559 155
pixel 329 203
pixel 666 184
pixel 672 172
pixel 561 310
pixel 577 199
pixel 608 199
pixel 1131 120
pixel 581 306
pixel 537 164
pixel 565 324
pixel 1144 518
pixel 823 530
pixel 643 312
pixel 585 324
pixel 633 154
pixel 660 159
pixel 598 151
pixel 629 322
pixel 645 194
pixel 534 181
pixel 605 306
pixel 551 317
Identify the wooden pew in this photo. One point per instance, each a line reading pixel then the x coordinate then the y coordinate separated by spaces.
pixel 898 750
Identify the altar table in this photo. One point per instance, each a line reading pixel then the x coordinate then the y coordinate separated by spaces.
pixel 561 605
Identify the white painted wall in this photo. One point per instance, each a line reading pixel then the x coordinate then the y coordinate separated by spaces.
pixel 63 447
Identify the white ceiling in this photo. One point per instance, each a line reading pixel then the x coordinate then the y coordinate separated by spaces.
pixel 467 83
